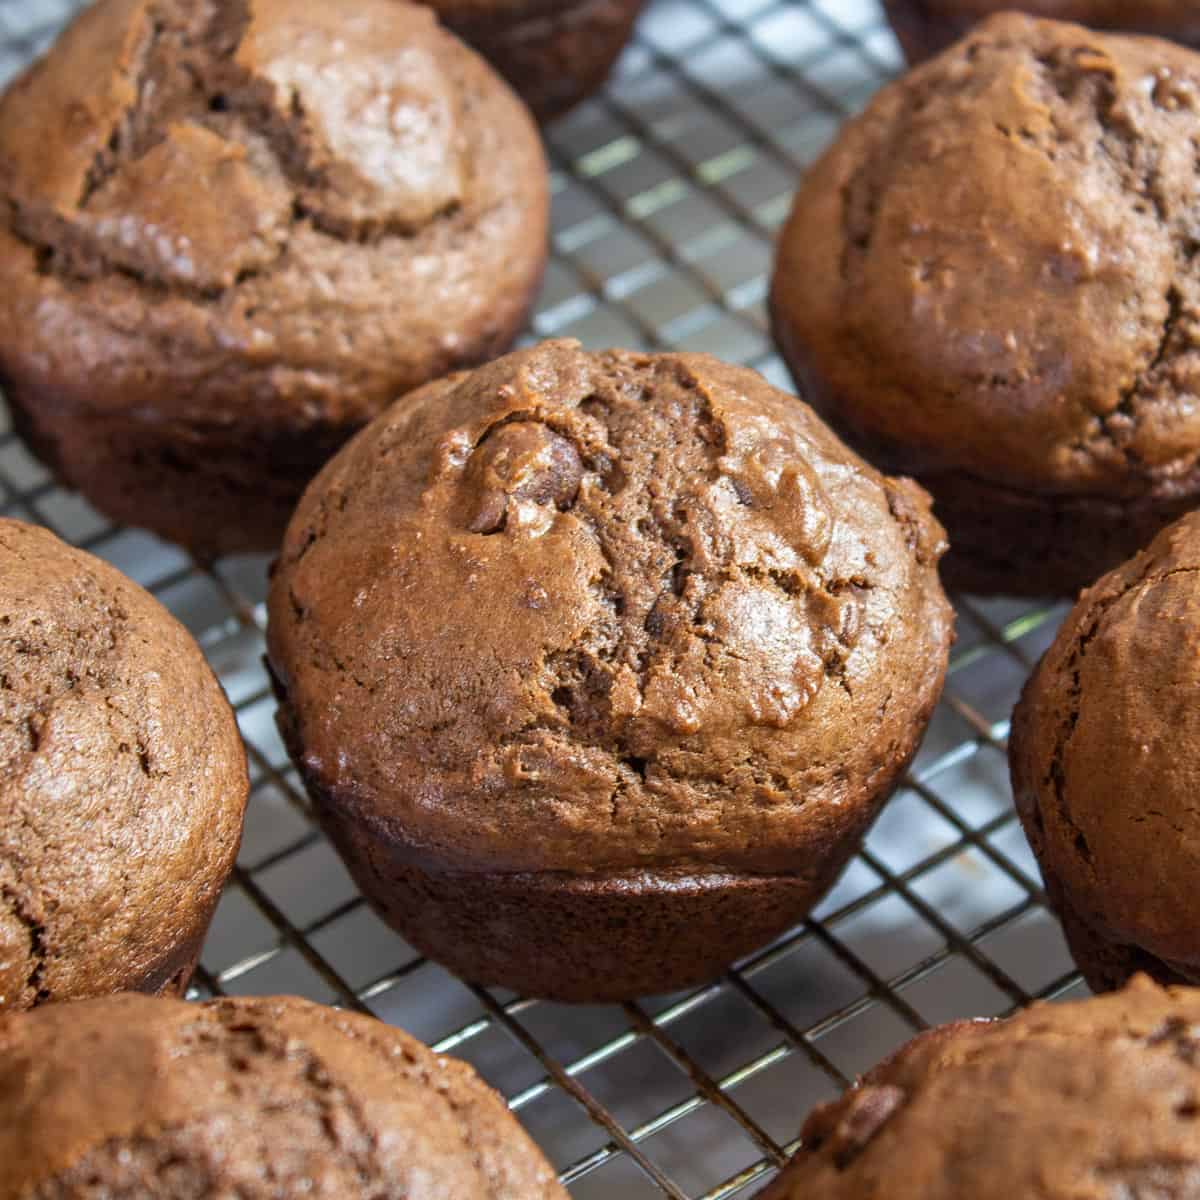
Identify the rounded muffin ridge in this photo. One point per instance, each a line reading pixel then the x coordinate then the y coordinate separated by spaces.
pixel 1009 230
pixel 1100 1094
pixel 259 1096
pixel 1101 779
pixel 636 602
pixel 114 735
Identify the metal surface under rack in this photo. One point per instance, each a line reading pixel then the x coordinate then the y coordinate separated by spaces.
pixel 667 193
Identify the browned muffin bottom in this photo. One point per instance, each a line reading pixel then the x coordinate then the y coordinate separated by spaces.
pixel 124 1098
pixel 122 781
pixel 597 666
pixel 988 282
pixel 232 232
pixel 553 52
pixel 1103 769
pixel 1095 1099
pixel 926 27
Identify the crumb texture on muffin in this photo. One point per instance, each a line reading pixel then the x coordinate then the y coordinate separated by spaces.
pixel 585 612
pixel 122 780
pixel 256 1098
pixel 1102 765
pixel 1098 1098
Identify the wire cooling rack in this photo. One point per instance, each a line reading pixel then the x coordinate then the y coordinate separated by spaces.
pixel 667 193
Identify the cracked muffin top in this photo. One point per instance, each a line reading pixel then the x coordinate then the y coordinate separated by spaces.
pixel 1097 1099
pixel 257 1098
pixel 992 270
pixel 584 611
pixel 300 207
pixel 122 779
pixel 1101 752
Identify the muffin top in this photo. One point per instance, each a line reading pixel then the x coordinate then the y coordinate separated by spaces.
pixel 1101 750
pixel 129 1097
pixel 122 776
pixel 583 611
pixel 313 198
pixel 1094 1099
pixel 992 268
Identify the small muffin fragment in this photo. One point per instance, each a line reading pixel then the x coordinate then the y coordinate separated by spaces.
pixel 554 53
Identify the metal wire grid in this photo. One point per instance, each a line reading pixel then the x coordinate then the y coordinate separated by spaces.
pixel 667 192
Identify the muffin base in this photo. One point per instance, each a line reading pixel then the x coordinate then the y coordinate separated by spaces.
pixel 553 59
pixel 1003 541
pixel 590 940
pixel 923 34
pixel 212 491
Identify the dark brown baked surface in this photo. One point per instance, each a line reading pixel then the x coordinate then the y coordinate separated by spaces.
pixel 926 27
pixel 1102 769
pixel 987 282
pixel 1095 1099
pixel 122 780
pixel 554 53
pixel 258 1098
pixel 233 232
pixel 604 615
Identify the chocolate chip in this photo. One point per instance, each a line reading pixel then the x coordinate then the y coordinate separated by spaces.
pixel 523 462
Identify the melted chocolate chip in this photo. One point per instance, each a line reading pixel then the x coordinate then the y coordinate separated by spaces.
pixel 523 462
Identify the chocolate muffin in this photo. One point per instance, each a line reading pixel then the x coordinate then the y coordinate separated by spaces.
pixel 926 27
pixel 1101 756
pixel 256 1098
pixel 988 282
pixel 122 781
pixel 233 232
pixel 597 666
pixel 553 52
pixel 1094 1099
